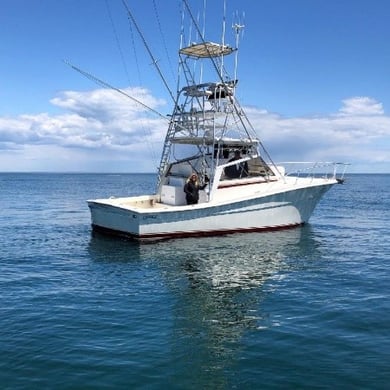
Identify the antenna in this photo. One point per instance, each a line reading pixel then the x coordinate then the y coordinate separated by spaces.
pixel 237 27
pixel 203 35
pixel 223 32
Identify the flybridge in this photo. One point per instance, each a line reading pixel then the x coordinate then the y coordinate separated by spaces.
pixel 206 50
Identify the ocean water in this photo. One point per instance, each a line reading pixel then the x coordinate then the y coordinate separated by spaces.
pixel 306 308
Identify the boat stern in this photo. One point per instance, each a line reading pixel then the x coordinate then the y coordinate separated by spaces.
pixel 120 214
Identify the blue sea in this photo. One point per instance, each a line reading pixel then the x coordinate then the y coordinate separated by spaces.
pixel 306 308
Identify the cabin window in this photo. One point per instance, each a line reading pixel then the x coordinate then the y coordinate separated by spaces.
pixel 254 167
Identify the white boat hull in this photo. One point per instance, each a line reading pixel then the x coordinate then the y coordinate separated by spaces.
pixel 285 208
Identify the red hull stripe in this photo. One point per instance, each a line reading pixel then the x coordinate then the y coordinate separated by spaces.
pixel 179 234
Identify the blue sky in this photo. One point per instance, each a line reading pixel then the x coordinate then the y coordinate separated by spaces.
pixel 313 75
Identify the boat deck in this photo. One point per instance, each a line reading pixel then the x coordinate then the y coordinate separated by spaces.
pixel 142 204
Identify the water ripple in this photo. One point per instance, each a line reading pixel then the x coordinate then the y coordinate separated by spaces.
pixel 302 308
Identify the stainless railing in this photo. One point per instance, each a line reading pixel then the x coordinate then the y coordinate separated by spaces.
pixel 327 170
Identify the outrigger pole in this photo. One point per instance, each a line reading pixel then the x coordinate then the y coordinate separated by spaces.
pixel 154 61
pixel 109 86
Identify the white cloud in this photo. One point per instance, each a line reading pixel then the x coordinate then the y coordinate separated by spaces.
pixel 104 104
pixel 365 106
pixel 101 121
pixel 102 130
pixel 358 132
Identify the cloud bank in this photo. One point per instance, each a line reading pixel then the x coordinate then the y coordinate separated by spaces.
pixel 358 133
pixel 100 130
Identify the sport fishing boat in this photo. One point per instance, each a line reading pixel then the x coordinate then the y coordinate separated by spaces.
pixel 210 135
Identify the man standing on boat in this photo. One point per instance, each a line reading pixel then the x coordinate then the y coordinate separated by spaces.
pixel 192 187
pixel 238 170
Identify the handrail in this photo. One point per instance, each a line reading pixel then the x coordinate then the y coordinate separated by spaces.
pixel 316 168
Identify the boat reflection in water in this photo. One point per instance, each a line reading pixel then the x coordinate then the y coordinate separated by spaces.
pixel 215 288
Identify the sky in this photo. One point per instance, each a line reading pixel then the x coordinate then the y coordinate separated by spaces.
pixel 314 79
